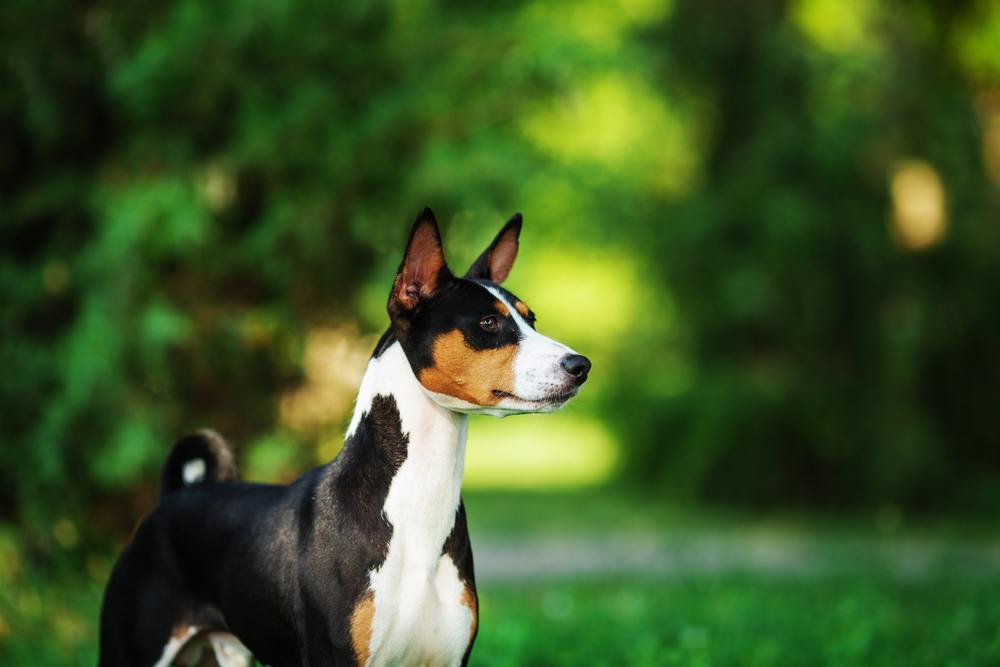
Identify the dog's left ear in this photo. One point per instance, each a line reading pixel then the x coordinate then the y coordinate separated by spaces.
pixel 495 262
pixel 423 271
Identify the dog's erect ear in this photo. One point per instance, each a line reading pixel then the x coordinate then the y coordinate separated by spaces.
pixel 423 270
pixel 495 262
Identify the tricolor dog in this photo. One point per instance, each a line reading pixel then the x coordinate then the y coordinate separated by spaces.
pixel 366 560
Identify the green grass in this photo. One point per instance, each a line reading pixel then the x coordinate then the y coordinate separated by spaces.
pixel 854 606
pixel 741 621
pixel 701 621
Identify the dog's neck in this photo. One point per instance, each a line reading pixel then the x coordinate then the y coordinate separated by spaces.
pixel 423 495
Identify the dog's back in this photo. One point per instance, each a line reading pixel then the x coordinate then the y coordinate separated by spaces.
pixel 366 560
pixel 260 552
pixel 158 578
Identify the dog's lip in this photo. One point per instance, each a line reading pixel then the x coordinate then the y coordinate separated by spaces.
pixel 552 399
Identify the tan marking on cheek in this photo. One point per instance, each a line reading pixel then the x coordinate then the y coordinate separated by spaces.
pixel 361 626
pixel 502 308
pixel 468 374
pixel 522 308
pixel 470 600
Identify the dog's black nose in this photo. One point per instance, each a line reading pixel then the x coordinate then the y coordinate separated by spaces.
pixel 576 365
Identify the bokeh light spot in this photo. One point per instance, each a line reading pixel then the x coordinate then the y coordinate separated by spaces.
pixel 841 26
pixel 334 361
pixel 620 122
pixel 919 220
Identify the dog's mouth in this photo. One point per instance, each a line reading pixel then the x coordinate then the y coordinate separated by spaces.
pixel 550 399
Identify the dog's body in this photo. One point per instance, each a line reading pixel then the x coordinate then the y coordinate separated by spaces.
pixel 365 560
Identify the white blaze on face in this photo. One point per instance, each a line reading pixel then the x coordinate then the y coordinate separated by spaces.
pixel 538 373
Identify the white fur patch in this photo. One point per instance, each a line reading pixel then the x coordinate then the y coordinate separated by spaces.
pixel 366 392
pixel 188 649
pixel 419 618
pixel 419 613
pixel 174 646
pixel 194 471
pixel 229 651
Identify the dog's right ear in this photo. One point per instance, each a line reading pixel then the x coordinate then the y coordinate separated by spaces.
pixel 495 262
pixel 423 271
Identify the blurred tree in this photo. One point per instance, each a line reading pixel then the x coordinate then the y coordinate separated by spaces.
pixel 832 366
pixel 188 187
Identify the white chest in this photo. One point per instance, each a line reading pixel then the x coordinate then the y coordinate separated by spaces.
pixel 422 613
pixel 419 611
pixel 420 619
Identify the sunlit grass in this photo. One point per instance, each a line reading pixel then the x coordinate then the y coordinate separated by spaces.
pixel 732 620
pixel 859 615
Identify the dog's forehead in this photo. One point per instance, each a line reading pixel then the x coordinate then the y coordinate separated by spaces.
pixel 463 304
pixel 510 298
pixel 475 296
pixel 460 306
pixel 466 297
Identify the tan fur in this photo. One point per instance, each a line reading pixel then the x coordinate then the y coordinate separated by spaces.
pixel 361 626
pixel 522 308
pixel 502 308
pixel 468 374
pixel 469 600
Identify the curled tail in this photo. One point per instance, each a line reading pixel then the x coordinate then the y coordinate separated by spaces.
pixel 198 458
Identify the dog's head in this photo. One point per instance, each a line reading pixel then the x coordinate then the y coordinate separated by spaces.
pixel 471 343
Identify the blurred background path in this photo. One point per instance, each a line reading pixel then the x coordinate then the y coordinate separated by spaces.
pixel 598 536
pixel 732 551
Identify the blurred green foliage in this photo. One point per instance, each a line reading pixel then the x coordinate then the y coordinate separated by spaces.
pixel 713 212
pixel 829 365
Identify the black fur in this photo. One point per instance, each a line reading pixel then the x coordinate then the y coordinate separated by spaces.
pixel 461 304
pixel 511 297
pixel 457 303
pixel 209 446
pixel 385 341
pixel 281 567
pixel 459 547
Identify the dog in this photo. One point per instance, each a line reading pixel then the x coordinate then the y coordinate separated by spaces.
pixel 365 560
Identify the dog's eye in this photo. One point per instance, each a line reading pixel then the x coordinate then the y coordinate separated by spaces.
pixel 490 323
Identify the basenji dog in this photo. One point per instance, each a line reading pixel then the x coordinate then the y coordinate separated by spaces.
pixel 365 560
